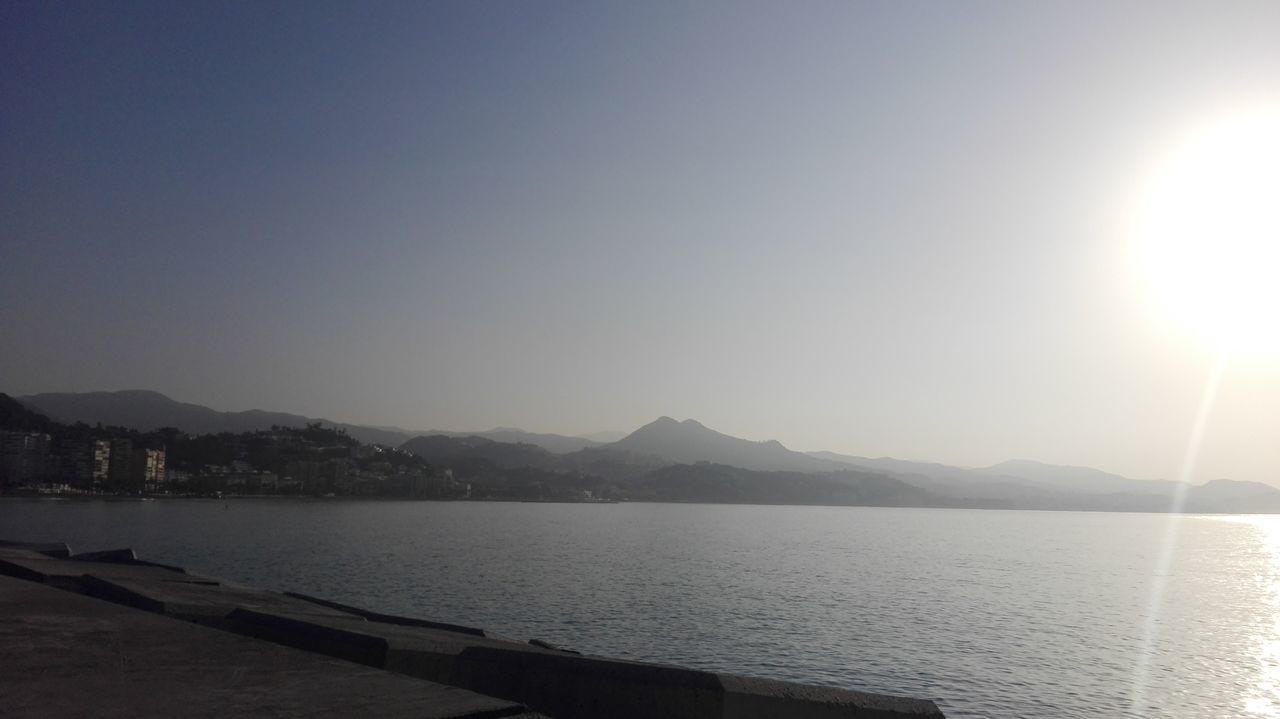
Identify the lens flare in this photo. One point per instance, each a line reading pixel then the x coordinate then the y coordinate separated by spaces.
pixel 1209 233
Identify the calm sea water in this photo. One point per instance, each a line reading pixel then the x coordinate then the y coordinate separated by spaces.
pixel 993 614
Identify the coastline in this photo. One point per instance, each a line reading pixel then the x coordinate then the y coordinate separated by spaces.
pixel 169 616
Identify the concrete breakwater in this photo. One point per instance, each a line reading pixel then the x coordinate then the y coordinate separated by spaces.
pixel 107 634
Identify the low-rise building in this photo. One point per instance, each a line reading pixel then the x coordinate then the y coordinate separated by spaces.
pixel 22 457
pixel 86 463
pixel 120 465
pixel 148 471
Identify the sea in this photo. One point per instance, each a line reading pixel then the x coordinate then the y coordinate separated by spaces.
pixel 989 613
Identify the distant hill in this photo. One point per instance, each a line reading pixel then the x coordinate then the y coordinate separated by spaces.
pixel 905 467
pixel 16 416
pixel 1229 495
pixel 706 482
pixel 145 410
pixel 1018 472
pixel 689 442
pixel 557 443
pixel 441 450
pixel 612 462
pixel 1076 479
pixel 1028 484
pixel 667 460
pixel 604 437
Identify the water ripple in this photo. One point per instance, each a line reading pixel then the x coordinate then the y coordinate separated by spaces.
pixel 995 614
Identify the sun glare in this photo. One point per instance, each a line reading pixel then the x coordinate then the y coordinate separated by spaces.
pixel 1209 233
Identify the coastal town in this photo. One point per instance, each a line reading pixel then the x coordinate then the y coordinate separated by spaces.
pixel 39 456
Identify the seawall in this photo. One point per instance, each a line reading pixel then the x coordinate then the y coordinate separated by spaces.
pixel 108 634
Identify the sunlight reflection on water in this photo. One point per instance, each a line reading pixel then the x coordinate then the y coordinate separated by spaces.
pixel 1266 699
pixel 994 614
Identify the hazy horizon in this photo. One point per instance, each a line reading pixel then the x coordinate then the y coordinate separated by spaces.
pixel 874 229
pixel 608 436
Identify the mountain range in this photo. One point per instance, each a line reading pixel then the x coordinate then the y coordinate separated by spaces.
pixel 146 410
pixel 689 441
pixel 687 461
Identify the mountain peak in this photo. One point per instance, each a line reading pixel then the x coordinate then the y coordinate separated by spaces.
pixel 670 425
pixel 689 441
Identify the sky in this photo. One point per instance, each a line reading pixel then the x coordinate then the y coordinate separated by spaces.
pixel 885 229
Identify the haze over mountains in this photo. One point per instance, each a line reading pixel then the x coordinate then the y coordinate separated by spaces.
pixel 674 460
pixel 148 410
pixel 689 441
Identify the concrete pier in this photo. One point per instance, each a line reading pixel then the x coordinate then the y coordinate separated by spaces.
pixel 64 655
pixel 460 669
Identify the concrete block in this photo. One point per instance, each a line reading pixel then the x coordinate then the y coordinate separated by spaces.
pixel 20 553
pixel 548 645
pixel 578 687
pixel 563 685
pixel 339 638
pixel 70 574
pixel 122 556
pixel 393 619
pixel 750 698
pixel 156 588
pixel 206 601
pixel 58 550
pixel 67 655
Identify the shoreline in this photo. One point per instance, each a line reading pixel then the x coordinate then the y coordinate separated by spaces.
pixel 49 593
pixel 114 499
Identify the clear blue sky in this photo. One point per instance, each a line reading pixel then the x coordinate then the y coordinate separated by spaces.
pixel 877 228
